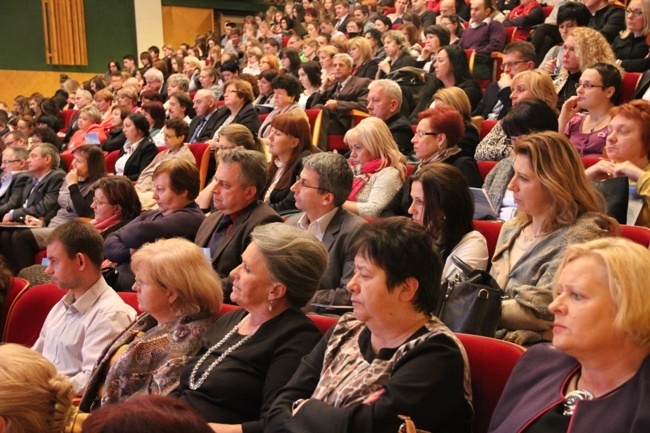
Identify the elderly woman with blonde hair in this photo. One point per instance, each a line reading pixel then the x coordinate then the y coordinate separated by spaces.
pixel 34 398
pixel 599 360
pixel 378 166
pixel 180 295
pixel 526 85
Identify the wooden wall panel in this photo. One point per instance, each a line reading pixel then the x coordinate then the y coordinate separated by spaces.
pixel 183 24
pixel 14 83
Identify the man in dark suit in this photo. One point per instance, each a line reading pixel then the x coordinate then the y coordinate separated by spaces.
pixel 517 57
pixel 427 17
pixel 642 86
pixel 339 94
pixel 240 180
pixel 385 102
pixel 14 178
pixel 204 123
pixel 342 11
pixel 324 184
pixel 39 200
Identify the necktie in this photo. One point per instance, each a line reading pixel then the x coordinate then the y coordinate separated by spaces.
pixel 219 233
pixel 337 90
pixel 197 131
pixel 35 182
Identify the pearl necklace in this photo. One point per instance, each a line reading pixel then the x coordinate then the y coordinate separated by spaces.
pixel 194 384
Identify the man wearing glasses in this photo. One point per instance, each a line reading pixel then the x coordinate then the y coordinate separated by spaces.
pixel 324 184
pixel 14 178
pixel 517 57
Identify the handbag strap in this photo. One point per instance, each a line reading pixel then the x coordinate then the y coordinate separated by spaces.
pixel 408 426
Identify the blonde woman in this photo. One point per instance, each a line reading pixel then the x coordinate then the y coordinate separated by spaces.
pixel 378 166
pixel 34 398
pixel 582 48
pixel 326 59
pixel 631 47
pixel 361 52
pixel 525 85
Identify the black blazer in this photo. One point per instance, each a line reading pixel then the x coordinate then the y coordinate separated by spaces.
pixel 12 197
pixel 247 116
pixel 642 86
pixel 491 96
pixel 40 201
pixel 140 158
pixel 402 61
pixel 367 70
pixel 115 140
pixel 282 199
pixel 208 129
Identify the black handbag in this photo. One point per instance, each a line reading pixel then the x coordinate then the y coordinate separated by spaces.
pixel 471 302
pixel 616 193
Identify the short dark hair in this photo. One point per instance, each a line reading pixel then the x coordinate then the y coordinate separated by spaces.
pixel 442 32
pixel 272 41
pixel 403 249
pixel 140 122
pixel 289 83
pixel 78 237
pixel 571 11
pixel 531 115
pixel 384 19
pixel 155 49
pixel 129 57
pixel 253 168
pixel 611 77
pixel 156 110
pixel 375 34
pixel 313 71
pixel 269 75
pixel 183 176
pixel 179 126
pixel 230 66
pixel 334 174
pixel 52 121
pixel 525 49
pixel 186 102
pixel 119 191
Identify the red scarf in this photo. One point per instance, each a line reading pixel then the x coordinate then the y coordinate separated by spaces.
pixel 363 173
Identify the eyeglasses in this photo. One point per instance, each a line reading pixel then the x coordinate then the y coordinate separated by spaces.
pixel 587 86
pixel 97 202
pixel 10 143
pixel 302 183
pixel 511 64
pixel 9 161
pixel 635 12
pixel 421 134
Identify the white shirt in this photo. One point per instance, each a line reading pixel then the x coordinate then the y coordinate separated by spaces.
pixel 120 164
pixel 76 331
pixel 318 227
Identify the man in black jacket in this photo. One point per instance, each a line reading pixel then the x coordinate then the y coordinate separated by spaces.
pixel 385 102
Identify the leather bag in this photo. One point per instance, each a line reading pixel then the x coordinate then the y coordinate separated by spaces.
pixel 471 302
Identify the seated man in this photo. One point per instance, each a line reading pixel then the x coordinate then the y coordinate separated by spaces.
pixel 204 123
pixel 240 181
pixel 324 185
pixel 517 57
pixel 385 102
pixel 14 178
pixel 339 95
pixel 607 19
pixel 16 139
pixel 484 35
pixel 427 17
pixel 91 314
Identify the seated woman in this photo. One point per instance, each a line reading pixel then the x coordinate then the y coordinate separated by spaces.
pixel 524 16
pixel 290 59
pixel 180 295
pixel 128 97
pixel 378 166
pixel 265 102
pixel 286 91
pixel 442 203
pixel 250 353
pixel 175 132
pixel 398 53
pixel 138 151
pixel 628 154
pixel 89 123
pixel 598 90
pixel 176 185
pixel 33 396
pixel 361 52
pixel 116 138
pixel 599 360
pixel 310 79
pixel 435 37
pixel 75 198
pixel 525 85
pixel 326 55
pixel 451 69
pixel 631 46
pixel 231 137
pixel 238 107
pixel 154 111
pixel 436 140
pixel 453 23
pixel 532 115
pixel 289 142
pixel 456 98
pixel 389 357
pixel 557 207
pixel 582 48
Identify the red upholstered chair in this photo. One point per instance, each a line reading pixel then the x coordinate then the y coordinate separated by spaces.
pixel 110 159
pixel 486 127
pixel 628 86
pixel 491 230
pixel 547 11
pixel 28 312
pixel 226 308
pixel 510 34
pixel 220 103
pixel 324 323
pixel 588 161
pixel 336 141
pixel 66 116
pixel 484 167
pixel 640 235
pixel 315 116
pixel 471 56
pixel 263 116
pixel 67 159
pixel 201 152
pixel 131 298
pixel 18 285
pixel 490 361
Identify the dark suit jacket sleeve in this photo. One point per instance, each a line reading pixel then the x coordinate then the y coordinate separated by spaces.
pixel 428 18
pixel 430 87
pixel 14 194
pixel 367 70
pixel 472 90
pixel 610 23
pixel 248 117
pixel 490 98
pixel 356 98
pixel 46 203
pixel 140 159
pixel 396 207
pixel 81 203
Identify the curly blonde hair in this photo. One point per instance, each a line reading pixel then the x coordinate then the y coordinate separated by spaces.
pixel 34 398
pixel 591 47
